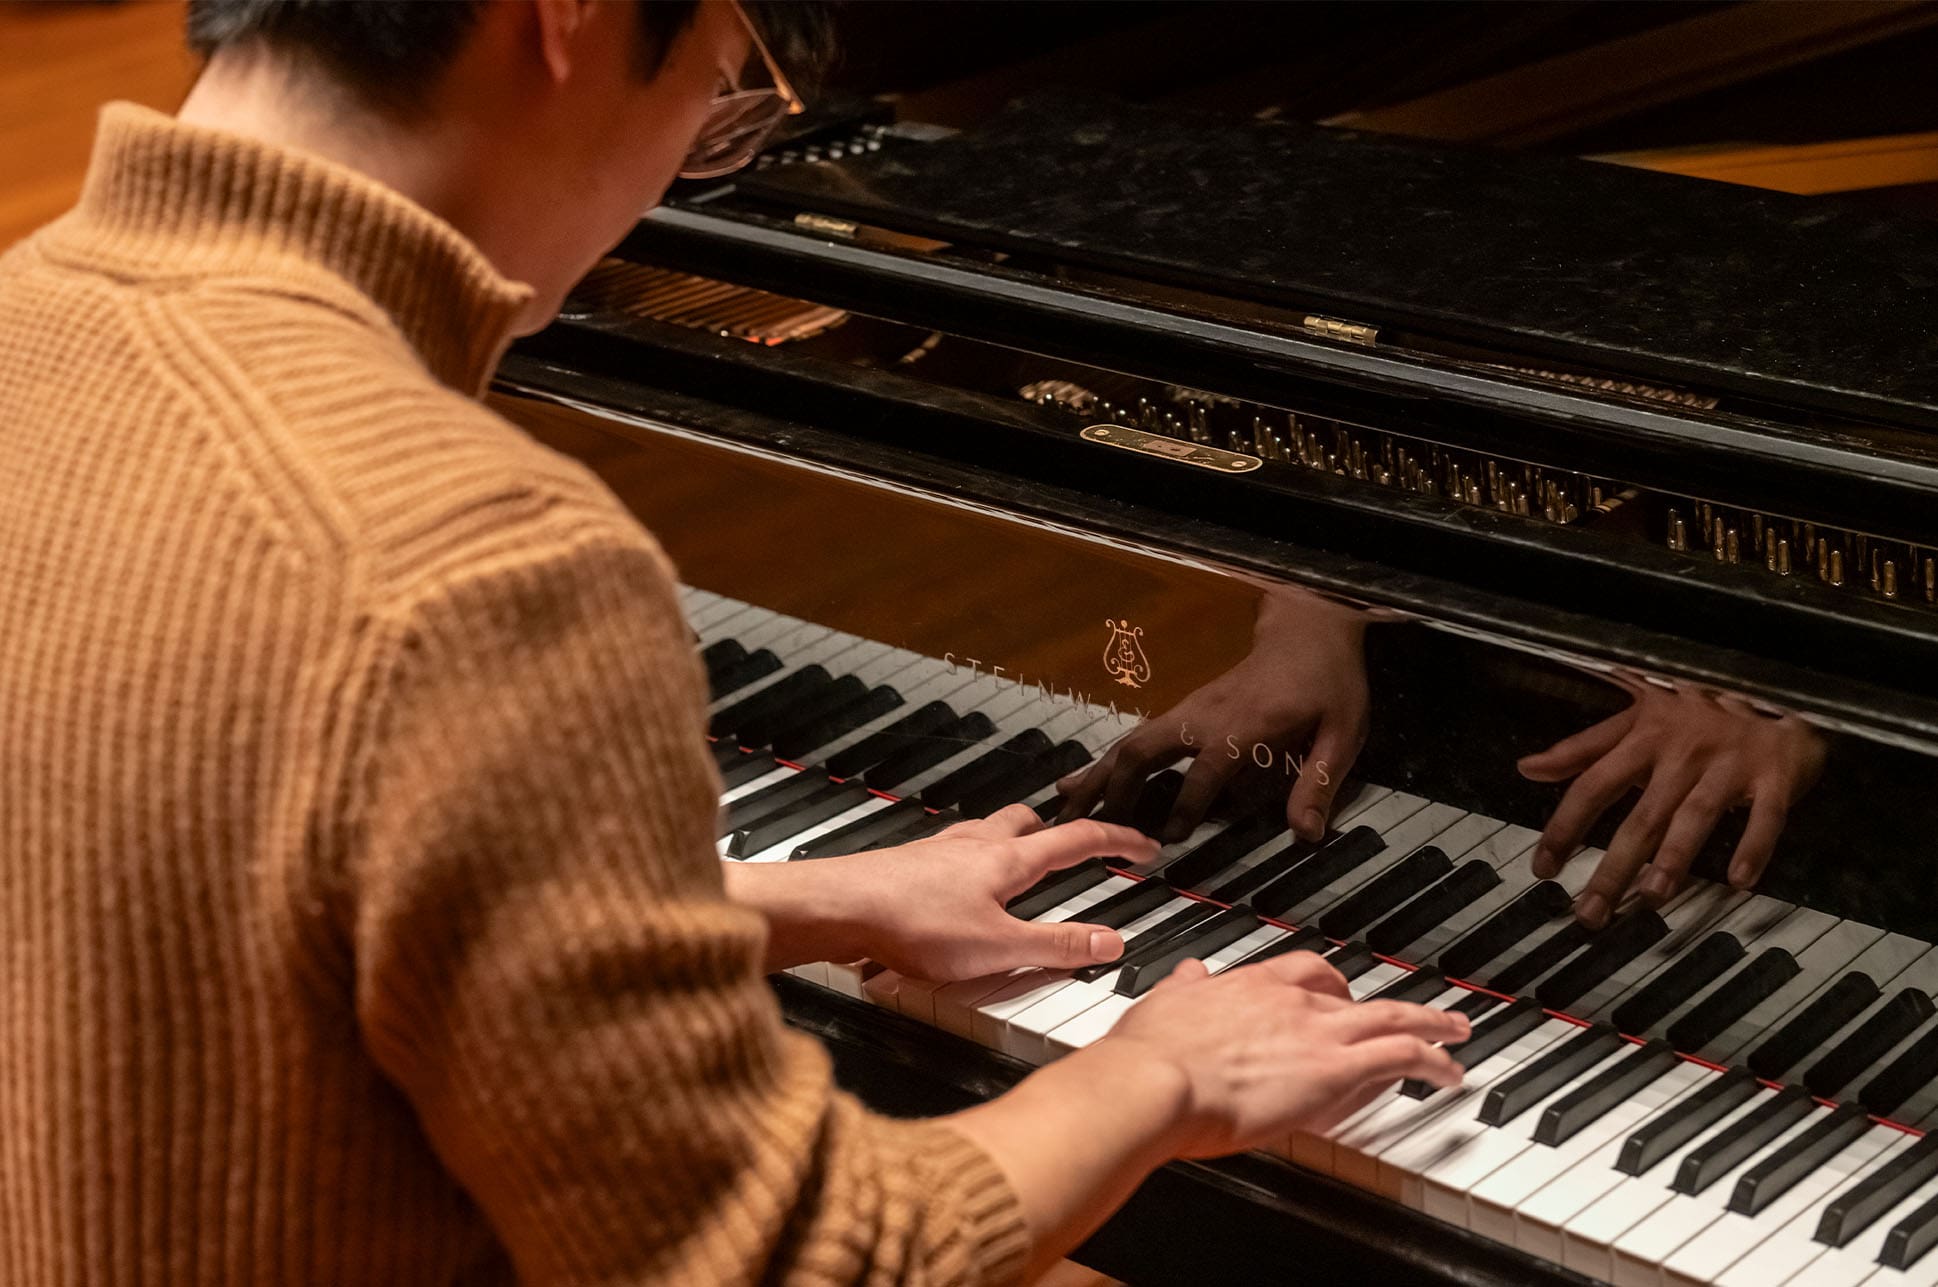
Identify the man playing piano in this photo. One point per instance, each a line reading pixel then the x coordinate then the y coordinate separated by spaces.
pixel 357 881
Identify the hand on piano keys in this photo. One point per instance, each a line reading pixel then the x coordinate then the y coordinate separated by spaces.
pixel 1695 756
pixel 933 908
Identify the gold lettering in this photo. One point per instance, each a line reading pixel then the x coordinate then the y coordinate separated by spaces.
pixel 1231 749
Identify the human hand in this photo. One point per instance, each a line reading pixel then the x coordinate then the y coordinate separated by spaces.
pixel 933 909
pixel 1300 694
pixel 1279 1046
pixel 1696 755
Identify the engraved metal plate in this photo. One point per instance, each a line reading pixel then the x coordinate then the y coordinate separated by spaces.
pixel 1185 453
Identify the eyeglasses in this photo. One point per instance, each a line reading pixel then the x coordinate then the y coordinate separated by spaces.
pixel 740 120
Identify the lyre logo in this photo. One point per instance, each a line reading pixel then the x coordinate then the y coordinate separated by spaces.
pixel 1124 659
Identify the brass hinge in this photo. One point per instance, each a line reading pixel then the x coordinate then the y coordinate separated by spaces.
pixel 1334 328
pixel 826 225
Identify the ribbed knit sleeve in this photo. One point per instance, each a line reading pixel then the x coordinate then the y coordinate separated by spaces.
pixel 546 965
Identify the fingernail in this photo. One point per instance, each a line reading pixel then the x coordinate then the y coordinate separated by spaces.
pixel 1544 867
pixel 1105 945
pixel 1654 886
pixel 1592 910
pixel 1741 876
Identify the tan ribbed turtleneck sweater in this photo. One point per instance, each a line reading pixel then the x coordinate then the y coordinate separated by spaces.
pixel 359 920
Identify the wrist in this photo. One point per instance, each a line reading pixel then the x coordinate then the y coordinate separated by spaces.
pixel 1148 1081
pixel 815 911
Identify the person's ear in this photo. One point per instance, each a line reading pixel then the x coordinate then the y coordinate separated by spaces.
pixel 560 23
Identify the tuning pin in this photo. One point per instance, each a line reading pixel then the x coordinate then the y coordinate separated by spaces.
pixel 1836 567
pixel 1931 579
pixel 1756 529
pixel 1782 557
pixel 1890 578
pixel 1199 419
pixel 1732 545
pixel 1770 552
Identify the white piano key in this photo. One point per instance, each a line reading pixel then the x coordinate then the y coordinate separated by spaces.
pixel 779 773
pixel 1317 1151
pixel 1465 835
pixel 1588 1237
pixel 1394 1161
pixel 779 851
pixel 1495 1201
pixel 1690 916
pixel 1639 1252
pixel 1022 1034
pixel 1856 1261
pixel 1374 979
pixel 1541 1217
pixel 1504 848
pixel 1453 1176
pixel 1828 953
pixel 1088 1026
pixel 1769 1246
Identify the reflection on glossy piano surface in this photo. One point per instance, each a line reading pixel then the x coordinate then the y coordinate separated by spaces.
pixel 1352 513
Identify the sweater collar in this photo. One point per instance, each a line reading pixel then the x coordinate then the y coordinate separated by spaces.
pixel 168 199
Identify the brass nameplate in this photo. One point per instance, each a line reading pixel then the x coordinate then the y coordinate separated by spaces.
pixel 1186 453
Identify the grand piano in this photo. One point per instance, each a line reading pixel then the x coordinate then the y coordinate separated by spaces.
pixel 1209 466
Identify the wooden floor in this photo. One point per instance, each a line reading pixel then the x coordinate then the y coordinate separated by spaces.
pixel 60 60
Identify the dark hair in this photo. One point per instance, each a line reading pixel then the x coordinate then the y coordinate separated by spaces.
pixel 389 53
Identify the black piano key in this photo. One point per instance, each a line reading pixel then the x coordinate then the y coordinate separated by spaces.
pixel 1057 887
pixel 1891 1182
pixel 748 841
pixel 1736 1143
pixel 1405 879
pixel 1333 861
pixel 1308 939
pixel 925 825
pixel 1840 1003
pixel 745 770
pixel 1683 1120
pixel 779 695
pixel 1239 887
pixel 1903 1077
pixel 774 797
pixel 726 754
pixel 1687 975
pixel 1911 1237
pixel 1126 905
pixel 722 654
pixel 913 761
pixel 1488 1038
pixel 1862 1050
pixel 855 837
pixel 1154 803
pixel 1607 954
pixel 1750 987
pixel 804 739
pixel 1562 1120
pixel 1011 753
pixel 756 665
pixel 1438 905
pixel 1550 1072
pixel 1221 931
pixel 1560 944
pixel 843 690
pixel 1419 987
pixel 1025 781
pixel 1476 1004
pixel 1196 868
pixel 1149 942
pixel 1778 1173
pixel 1536 906
pixel 1351 960
pixel 924 722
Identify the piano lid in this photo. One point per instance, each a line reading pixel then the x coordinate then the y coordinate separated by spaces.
pixel 1792 299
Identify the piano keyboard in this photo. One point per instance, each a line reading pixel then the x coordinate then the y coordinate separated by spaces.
pixel 1728 1089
